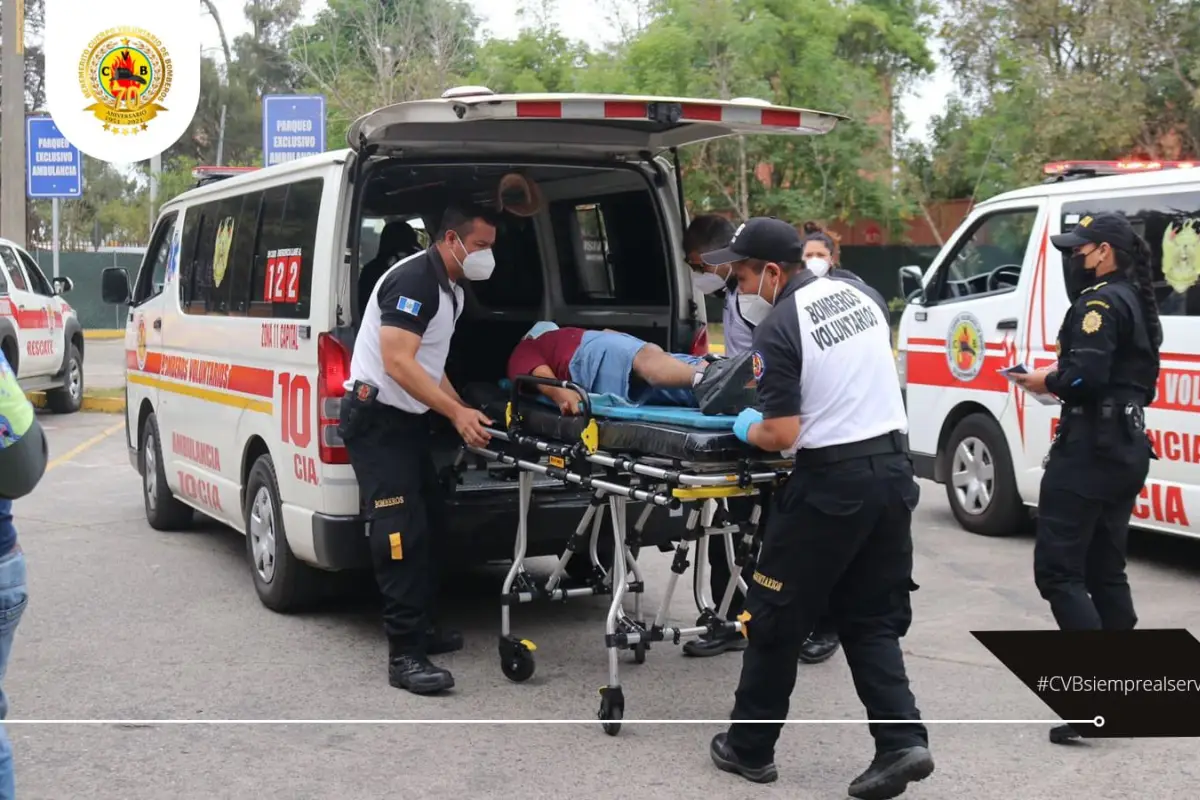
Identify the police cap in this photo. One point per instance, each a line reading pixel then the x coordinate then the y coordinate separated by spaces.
pixel 1111 229
pixel 763 238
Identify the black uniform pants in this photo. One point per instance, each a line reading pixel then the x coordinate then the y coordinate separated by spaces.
pixel 1084 506
pixel 402 500
pixel 839 539
pixel 720 570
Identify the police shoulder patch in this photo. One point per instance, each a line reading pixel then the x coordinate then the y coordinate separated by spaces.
pixel 1092 321
pixel 758 365
pixel 408 306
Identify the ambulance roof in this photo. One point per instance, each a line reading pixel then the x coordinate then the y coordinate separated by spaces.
pixel 1106 184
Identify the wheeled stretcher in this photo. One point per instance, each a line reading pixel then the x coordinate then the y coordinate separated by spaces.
pixel 669 460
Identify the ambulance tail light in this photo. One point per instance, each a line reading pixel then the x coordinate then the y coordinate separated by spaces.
pixel 700 343
pixel 333 365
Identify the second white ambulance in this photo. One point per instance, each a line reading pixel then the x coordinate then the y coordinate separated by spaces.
pixel 995 297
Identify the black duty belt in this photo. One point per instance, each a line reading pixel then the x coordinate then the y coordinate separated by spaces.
pixel 888 443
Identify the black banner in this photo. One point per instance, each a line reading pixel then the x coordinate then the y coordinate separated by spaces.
pixel 1140 683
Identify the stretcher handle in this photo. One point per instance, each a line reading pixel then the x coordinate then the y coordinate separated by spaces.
pixel 534 380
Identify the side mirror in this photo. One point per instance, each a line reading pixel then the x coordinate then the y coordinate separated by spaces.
pixel 910 282
pixel 114 286
pixel 63 285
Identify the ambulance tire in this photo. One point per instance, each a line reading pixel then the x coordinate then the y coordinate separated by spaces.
pixel 289 584
pixel 68 398
pixel 1005 512
pixel 163 511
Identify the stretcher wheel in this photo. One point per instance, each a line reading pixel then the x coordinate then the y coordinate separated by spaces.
pixel 516 659
pixel 612 709
pixel 639 653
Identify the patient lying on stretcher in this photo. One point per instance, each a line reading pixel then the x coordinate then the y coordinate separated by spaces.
pixel 622 367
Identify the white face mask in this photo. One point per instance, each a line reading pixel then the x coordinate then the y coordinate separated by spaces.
pixel 754 308
pixel 477 266
pixel 709 282
pixel 817 266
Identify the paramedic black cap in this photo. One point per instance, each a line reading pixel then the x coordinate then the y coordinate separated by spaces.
pixel 763 238
pixel 1111 229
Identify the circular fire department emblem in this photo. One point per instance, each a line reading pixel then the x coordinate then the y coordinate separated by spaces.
pixel 126 71
pixel 965 347
pixel 757 364
pixel 141 344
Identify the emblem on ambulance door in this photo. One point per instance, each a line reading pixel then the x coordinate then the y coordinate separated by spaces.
pixel 221 253
pixel 141 344
pixel 965 348
pixel 126 71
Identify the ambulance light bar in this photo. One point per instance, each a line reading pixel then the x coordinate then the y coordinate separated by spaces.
pixel 205 175
pixel 1058 169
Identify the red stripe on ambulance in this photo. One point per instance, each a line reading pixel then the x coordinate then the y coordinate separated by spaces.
pixel 931 369
pixel 1178 390
pixel 201 372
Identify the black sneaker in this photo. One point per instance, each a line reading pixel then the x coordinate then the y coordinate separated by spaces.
pixel 818 648
pixel 727 386
pixel 729 761
pixel 891 773
pixel 709 645
pixel 1063 734
pixel 439 641
pixel 416 674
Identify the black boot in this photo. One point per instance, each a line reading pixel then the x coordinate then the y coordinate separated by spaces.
pixel 729 761
pixel 1063 734
pixel 818 648
pixel 891 773
pixel 416 674
pixel 440 640
pixel 715 644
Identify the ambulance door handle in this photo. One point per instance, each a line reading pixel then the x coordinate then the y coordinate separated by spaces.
pixel 1009 324
pixel 158 324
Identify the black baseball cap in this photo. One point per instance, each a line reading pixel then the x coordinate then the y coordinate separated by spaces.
pixel 764 238
pixel 1112 229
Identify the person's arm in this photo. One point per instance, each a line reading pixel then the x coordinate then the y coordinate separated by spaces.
pixel 449 389
pixel 408 301
pixel 777 344
pixel 23 450
pixel 1084 368
pixel 528 359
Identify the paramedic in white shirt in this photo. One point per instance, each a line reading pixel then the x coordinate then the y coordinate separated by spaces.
pixel 397 379
pixel 838 535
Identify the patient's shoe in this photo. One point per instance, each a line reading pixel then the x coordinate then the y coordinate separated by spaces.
pixel 727 386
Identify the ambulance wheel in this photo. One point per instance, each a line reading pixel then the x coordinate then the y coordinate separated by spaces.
pixel 68 398
pixel 283 582
pixel 980 484
pixel 163 511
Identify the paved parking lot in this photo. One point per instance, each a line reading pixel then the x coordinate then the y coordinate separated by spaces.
pixel 128 623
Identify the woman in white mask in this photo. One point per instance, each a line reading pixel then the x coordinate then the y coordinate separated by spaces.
pixel 822 255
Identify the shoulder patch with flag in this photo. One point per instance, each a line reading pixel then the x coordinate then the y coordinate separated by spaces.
pixel 408 306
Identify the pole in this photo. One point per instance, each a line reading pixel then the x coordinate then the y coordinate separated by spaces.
pixel 221 137
pixel 12 124
pixel 155 170
pixel 54 206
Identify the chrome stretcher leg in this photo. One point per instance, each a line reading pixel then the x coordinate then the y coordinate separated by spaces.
pixel 577 542
pixel 516 655
pixel 700 582
pixel 612 698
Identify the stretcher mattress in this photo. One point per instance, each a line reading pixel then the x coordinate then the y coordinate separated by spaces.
pixel 669 432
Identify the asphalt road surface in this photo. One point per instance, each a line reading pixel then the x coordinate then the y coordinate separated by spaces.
pixel 127 623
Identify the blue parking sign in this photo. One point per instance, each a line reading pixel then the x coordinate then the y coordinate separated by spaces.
pixel 293 127
pixel 53 167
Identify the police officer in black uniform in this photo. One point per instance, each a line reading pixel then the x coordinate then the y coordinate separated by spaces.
pixel 838 536
pixel 398 375
pixel 1106 374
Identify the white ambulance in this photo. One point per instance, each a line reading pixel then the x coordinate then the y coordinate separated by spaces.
pixel 243 316
pixel 995 297
pixel 40 334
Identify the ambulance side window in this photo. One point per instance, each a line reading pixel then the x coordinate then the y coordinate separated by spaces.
pixel 154 268
pixel 281 285
pixel 1170 224
pixel 988 258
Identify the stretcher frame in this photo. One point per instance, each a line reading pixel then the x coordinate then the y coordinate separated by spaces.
pixel 621 479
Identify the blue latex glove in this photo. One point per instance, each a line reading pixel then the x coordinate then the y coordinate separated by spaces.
pixel 741 426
